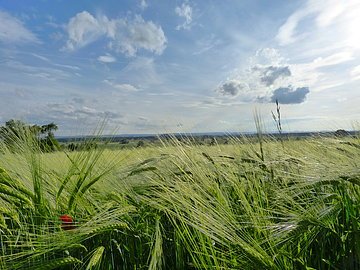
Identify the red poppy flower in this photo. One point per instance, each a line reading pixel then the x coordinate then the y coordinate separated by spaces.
pixel 67 222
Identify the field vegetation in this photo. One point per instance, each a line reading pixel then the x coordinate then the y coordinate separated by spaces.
pixel 270 204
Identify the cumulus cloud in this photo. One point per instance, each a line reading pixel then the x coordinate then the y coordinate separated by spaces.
pixel 107 58
pixel 289 95
pixel 184 11
pixel 269 74
pixel 138 34
pixel 232 88
pixel 84 28
pixel 123 35
pixel 267 57
pixel 12 30
pixel 267 78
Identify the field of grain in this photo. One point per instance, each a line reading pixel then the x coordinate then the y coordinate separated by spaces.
pixel 271 205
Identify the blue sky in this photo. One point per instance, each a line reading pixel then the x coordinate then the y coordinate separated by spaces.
pixel 151 66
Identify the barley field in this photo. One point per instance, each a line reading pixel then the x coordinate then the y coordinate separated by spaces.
pixel 290 204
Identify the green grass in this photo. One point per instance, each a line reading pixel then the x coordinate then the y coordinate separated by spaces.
pixel 292 204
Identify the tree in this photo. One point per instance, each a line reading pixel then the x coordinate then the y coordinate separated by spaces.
pixel 49 128
pixel 47 140
pixel 341 133
pixel 140 143
pixel 16 131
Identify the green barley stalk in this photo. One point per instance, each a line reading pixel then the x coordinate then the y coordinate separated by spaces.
pixel 95 260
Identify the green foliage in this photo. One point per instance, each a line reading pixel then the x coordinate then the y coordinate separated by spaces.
pixel 265 205
pixel 16 132
pixel 95 260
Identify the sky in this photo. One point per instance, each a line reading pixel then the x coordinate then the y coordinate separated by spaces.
pixel 152 66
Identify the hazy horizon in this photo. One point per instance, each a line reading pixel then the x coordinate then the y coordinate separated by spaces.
pixel 151 66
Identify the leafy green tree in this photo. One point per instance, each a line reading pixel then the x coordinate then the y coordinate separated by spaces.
pixel 48 141
pixel 16 130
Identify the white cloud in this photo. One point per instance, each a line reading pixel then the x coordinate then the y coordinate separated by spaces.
pixel 44 72
pixel 269 74
pixel 310 72
pixel 329 20
pixel 75 115
pixel 322 37
pixel 67 66
pixel 314 75
pixel 108 58
pixel 288 32
pixel 142 71
pixel 267 56
pixel 185 11
pixel 285 34
pixel 45 59
pixel 143 5
pixel 125 87
pixel 207 44
pixel 289 95
pixel 334 59
pixel 12 30
pixel 138 34
pixel 84 28
pixel 42 75
pixel 232 88
pixel 41 57
pixel 330 13
pixel 123 35
pixel 122 87
pixel 355 73
pixel 267 78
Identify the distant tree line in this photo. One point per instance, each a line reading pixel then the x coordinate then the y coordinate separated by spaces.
pixel 82 146
pixel 15 131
